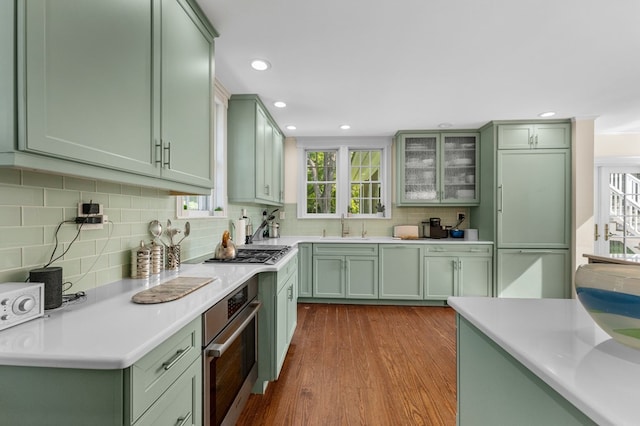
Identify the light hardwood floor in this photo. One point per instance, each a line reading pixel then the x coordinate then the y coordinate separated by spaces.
pixel 364 365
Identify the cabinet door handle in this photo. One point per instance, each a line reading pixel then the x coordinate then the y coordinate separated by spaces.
pixel 290 292
pixel 477 250
pixel 159 154
pixel 267 190
pixel 183 420
pixel 167 150
pixel 175 358
pixel 536 140
pixel 499 198
pixel 537 251
pixel 531 140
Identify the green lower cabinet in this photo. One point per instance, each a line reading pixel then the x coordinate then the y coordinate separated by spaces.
pixel 328 276
pixel 350 271
pixel 457 276
pixel 277 320
pixel 163 387
pixel 401 272
pixel 532 273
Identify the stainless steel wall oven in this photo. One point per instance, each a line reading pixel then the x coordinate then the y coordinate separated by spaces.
pixel 230 354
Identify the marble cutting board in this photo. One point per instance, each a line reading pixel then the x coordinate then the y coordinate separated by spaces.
pixel 171 290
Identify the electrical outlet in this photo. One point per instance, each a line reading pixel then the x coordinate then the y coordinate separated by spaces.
pixel 282 216
pixel 90 216
pixel 460 216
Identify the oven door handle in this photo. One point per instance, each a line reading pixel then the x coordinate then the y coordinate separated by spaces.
pixel 215 349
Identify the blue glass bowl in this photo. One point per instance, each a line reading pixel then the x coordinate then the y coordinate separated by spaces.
pixel 611 295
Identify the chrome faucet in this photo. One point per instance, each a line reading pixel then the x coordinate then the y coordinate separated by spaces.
pixel 345 229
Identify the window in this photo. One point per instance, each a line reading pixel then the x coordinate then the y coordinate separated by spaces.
pixel 344 177
pixel 618 213
pixel 214 204
pixel 321 181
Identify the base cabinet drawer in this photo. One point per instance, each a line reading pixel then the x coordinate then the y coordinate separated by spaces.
pixel 181 404
pixel 155 372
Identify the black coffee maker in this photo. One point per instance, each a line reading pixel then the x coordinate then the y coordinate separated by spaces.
pixel 435 229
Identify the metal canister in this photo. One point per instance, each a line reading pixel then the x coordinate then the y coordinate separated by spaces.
pixel 157 257
pixel 140 261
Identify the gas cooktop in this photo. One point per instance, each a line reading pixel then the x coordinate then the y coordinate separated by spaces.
pixel 254 253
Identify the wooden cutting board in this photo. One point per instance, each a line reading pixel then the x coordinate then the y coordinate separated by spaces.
pixel 171 290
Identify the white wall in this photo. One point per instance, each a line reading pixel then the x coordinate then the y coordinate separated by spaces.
pixel 623 145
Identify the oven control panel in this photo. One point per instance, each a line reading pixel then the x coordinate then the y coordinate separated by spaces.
pixel 20 302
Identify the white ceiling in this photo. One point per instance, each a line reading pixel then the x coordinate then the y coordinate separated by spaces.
pixel 382 66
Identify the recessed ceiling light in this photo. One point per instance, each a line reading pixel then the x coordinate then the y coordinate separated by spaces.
pixel 445 125
pixel 279 104
pixel 546 114
pixel 291 127
pixel 345 127
pixel 260 65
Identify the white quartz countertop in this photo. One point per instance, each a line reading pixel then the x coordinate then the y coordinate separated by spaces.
pixel 558 341
pixel 108 331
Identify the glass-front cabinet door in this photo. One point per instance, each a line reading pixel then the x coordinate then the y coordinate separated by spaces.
pixel 419 169
pixel 459 169
pixel 437 168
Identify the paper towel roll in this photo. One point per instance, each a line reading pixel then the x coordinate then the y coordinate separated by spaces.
pixel 241 231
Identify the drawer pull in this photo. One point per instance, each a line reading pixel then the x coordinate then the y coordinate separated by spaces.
pixel 477 250
pixel 175 358
pixel 183 420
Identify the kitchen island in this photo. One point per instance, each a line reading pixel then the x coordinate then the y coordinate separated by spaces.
pixel 541 362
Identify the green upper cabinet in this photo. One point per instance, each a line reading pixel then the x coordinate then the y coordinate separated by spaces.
pixel 187 93
pixel 534 136
pixel 437 168
pixel 255 153
pixel 119 90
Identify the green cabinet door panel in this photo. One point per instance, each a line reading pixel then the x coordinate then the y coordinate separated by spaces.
pixel 475 276
pixel 362 277
pixel 328 276
pixel 440 277
pixel 305 269
pixel 534 136
pixel 401 272
pixel 281 330
pixel 88 78
pixel 187 96
pixel 534 198
pixel 532 273
pixel 292 306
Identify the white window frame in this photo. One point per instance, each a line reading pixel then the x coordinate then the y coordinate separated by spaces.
pixel 218 196
pixel 343 145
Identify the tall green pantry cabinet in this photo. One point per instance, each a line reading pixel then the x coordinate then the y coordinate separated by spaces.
pixel 107 90
pixel 527 208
